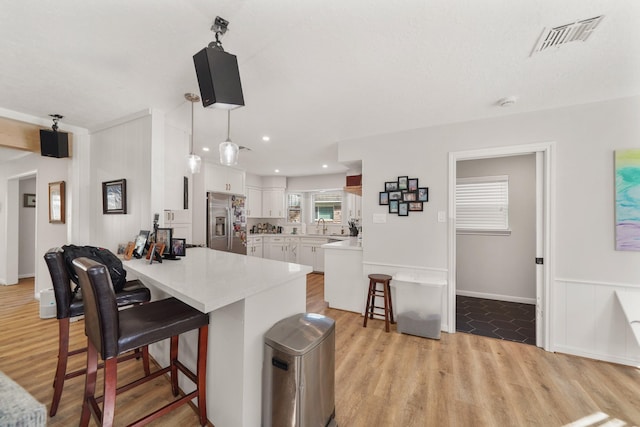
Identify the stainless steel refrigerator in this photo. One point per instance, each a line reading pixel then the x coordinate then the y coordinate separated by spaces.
pixel 226 223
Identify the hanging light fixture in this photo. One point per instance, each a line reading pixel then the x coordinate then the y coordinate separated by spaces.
pixel 193 160
pixel 229 150
pixel 217 72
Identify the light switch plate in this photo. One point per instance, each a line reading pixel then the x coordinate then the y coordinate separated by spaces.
pixel 379 218
pixel 442 216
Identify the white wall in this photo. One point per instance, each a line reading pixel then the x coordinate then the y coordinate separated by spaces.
pixel 122 151
pixel 27 232
pixel 502 266
pixel 582 211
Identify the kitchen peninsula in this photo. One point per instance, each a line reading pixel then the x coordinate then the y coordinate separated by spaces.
pixel 244 297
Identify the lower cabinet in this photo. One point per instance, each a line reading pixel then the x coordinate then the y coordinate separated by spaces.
pixel 254 247
pixel 311 253
pixel 281 248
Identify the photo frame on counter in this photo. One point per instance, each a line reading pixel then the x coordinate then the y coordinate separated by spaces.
pixel 163 236
pixel 403 209
pixel 114 197
pixel 423 194
pixel 393 206
pixel 179 247
pixel 383 198
pixel 128 252
pixel 29 200
pixel 141 243
pixel 403 182
pixel 56 202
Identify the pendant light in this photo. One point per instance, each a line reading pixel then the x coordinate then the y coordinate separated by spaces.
pixel 193 160
pixel 228 150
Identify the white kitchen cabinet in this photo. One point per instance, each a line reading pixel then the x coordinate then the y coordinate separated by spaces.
pixel 223 179
pixel 253 205
pixel 180 221
pixel 311 253
pixel 273 205
pixel 292 248
pixel 255 246
pixel 354 206
pixel 276 248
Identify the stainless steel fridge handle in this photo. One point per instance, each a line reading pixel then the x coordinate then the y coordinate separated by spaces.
pixel 229 231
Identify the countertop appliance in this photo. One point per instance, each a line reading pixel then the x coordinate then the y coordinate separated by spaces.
pixel 226 223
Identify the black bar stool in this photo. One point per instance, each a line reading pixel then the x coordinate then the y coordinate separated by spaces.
pixel 385 293
pixel 111 333
pixel 69 305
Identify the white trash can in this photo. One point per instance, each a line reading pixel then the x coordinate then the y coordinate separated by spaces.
pixel 418 305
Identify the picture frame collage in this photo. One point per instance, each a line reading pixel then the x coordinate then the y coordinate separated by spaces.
pixel 403 196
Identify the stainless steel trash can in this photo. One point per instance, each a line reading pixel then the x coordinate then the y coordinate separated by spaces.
pixel 298 374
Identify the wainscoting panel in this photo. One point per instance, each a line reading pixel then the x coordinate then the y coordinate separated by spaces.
pixel 589 322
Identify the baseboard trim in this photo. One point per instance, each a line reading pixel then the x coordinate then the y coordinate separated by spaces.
pixel 498 297
pixel 596 356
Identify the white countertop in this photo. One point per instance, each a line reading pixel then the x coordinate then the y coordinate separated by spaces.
pixel 349 244
pixel 208 279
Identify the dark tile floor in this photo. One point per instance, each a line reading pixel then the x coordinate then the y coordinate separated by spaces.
pixel 496 319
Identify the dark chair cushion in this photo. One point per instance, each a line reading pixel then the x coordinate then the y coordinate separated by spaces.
pixel 145 324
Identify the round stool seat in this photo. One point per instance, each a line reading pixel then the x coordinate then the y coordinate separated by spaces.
pixel 380 277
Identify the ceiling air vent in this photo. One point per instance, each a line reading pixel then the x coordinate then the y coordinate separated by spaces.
pixel 563 34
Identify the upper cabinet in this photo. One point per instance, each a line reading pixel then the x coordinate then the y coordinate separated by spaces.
pixel 273 203
pixel 354 206
pixel 253 207
pixel 175 168
pixel 223 179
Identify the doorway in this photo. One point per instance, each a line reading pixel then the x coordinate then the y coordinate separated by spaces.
pixel 542 259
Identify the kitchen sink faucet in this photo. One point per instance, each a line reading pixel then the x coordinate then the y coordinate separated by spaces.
pixel 324 226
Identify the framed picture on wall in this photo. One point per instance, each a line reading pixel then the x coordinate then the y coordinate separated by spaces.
pixel 56 202
pixel 391 186
pixel 29 200
pixel 114 197
pixel 413 184
pixel 384 198
pixel 403 209
pixel 415 206
pixel 393 206
pixel 423 194
pixel 409 196
pixel 403 182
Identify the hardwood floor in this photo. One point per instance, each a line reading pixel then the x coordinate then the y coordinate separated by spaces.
pixel 382 379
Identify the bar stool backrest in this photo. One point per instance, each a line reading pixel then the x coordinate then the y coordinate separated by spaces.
pixel 100 309
pixel 61 282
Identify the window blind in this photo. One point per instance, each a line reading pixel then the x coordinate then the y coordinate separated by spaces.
pixel 482 203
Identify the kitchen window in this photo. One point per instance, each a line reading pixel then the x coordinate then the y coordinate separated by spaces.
pixel 482 205
pixel 327 206
pixel 294 208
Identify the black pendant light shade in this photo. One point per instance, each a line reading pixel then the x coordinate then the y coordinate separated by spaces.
pixel 218 78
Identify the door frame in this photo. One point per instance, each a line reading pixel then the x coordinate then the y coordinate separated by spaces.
pixel 545 191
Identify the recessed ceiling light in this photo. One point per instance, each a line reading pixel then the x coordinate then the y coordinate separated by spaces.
pixel 266 138
pixel 205 148
pixel 325 166
pixel 507 102
pixel 277 171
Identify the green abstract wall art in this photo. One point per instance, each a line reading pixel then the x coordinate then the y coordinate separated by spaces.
pixel 627 166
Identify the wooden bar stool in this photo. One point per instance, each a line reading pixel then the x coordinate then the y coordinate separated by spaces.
pixel 111 332
pixel 70 305
pixel 385 293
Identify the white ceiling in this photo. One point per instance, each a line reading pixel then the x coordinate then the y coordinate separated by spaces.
pixel 313 72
